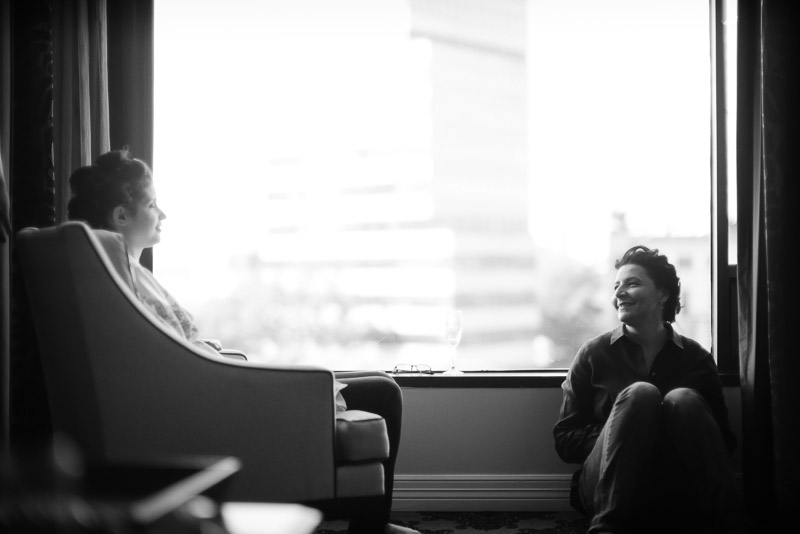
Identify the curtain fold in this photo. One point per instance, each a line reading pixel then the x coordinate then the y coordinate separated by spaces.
pixel 768 232
pixel 130 68
pixel 5 214
pixel 31 186
pixel 80 86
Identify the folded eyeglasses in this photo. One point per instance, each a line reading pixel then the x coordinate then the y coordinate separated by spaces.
pixel 419 368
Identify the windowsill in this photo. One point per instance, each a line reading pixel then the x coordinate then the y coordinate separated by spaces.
pixel 483 379
pixel 503 379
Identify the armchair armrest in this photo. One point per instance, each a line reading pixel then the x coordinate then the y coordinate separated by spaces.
pixel 278 421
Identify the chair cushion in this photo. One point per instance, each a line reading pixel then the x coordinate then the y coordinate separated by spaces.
pixel 360 437
pixel 359 480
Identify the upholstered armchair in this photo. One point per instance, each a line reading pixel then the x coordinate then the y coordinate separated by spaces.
pixel 125 387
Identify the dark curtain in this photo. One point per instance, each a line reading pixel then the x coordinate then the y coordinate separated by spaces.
pixel 80 88
pixel 130 75
pixel 31 182
pixel 79 82
pixel 768 170
pixel 5 225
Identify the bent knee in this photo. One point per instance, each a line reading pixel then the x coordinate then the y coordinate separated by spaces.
pixel 641 392
pixel 641 395
pixel 683 397
pixel 684 402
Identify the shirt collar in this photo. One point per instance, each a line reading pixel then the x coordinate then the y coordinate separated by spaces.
pixel 619 332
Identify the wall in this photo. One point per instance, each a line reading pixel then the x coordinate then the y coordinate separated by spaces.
pixel 488 449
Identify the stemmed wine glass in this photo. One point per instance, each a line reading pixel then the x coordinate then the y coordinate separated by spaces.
pixel 452 334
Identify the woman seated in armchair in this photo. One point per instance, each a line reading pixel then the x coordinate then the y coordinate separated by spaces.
pixel 116 193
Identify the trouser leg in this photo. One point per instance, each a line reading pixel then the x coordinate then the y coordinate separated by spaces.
pixel 698 464
pixel 376 392
pixel 613 473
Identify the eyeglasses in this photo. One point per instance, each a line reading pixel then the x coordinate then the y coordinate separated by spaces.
pixel 419 368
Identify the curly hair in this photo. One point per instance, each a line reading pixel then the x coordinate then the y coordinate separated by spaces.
pixel 661 271
pixel 114 179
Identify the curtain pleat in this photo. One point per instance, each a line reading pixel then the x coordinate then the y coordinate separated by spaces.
pixel 781 172
pixel 755 465
pixel 768 234
pixel 81 88
pixel 5 213
pixel 98 55
pixel 5 310
pixel 130 68
pixel 32 189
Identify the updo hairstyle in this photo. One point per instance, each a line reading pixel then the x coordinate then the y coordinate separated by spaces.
pixel 114 179
pixel 661 271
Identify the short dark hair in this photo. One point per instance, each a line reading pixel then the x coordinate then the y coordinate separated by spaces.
pixel 661 271
pixel 114 179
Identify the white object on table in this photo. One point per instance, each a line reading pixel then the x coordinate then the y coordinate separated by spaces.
pixel 269 518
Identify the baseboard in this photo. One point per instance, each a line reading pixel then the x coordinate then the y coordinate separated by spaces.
pixel 481 493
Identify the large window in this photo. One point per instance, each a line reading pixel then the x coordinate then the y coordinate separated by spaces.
pixel 337 174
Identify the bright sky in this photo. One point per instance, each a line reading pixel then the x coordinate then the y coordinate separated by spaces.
pixel 620 105
pixel 271 88
pixel 619 110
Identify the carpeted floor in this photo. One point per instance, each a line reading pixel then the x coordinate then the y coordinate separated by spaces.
pixel 480 522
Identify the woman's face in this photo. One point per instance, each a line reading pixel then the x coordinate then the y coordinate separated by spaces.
pixel 636 297
pixel 142 229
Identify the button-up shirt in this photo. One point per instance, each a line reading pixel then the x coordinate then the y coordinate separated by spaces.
pixel 609 363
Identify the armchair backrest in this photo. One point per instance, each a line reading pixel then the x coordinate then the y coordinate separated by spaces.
pixel 59 264
pixel 124 386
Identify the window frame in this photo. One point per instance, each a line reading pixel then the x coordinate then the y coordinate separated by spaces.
pixel 724 300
